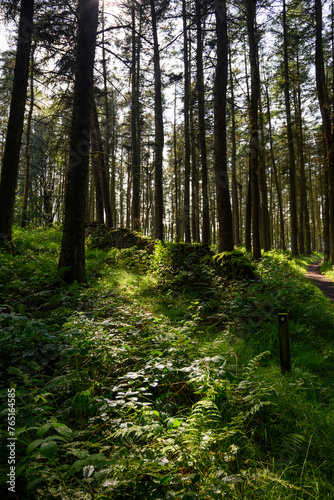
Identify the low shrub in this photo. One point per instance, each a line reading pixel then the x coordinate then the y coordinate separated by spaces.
pixel 234 265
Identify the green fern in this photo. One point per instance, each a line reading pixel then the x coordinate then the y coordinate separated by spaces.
pixel 252 365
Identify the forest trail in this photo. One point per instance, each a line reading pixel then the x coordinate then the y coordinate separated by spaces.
pixel 325 284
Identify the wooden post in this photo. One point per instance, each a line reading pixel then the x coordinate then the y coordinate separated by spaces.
pixel 284 342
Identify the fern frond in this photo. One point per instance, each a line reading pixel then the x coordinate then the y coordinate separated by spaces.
pixel 253 364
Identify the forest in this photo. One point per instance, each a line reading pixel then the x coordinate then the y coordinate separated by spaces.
pixel 167 177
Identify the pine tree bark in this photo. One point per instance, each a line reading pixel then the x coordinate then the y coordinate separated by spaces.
pixel 277 184
pixel 235 202
pixel 186 203
pixel 225 231
pixel 176 179
pixel 248 215
pixel 304 234
pixel 326 120
pixel 292 163
pixel 326 230
pixel 254 134
pixel 159 133
pixel 101 167
pixel 195 200
pixel 27 147
pixel 11 156
pixel 201 124
pixel 110 134
pixel 98 205
pixel 135 135
pixel 263 186
pixel 72 254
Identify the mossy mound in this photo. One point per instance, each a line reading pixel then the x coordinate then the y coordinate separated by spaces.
pixel 104 237
pixel 182 264
pixel 186 255
pixel 234 265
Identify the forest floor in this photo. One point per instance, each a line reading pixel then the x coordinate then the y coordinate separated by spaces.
pixel 161 381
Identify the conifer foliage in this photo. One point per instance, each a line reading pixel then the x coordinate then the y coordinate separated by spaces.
pixel 211 123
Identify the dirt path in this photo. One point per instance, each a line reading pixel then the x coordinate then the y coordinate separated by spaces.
pixel 325 284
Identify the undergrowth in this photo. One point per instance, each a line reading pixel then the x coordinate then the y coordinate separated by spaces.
pixel 161 379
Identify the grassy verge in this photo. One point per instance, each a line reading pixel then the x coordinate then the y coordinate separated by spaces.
pixel 150 383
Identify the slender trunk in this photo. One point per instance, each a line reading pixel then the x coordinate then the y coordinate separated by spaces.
pixel 72 254
pixel 195 200
pixel 292 165
pixel 176 183
pixel 114 141
pixel 326 230
pixel 159 132
pixel 101 167
pixel 121 191
pixel 11 156
pixel 109 134
pixel 263 186
pixel 248 215
pixel 99 216
pixel 201 125
pixel 235 203
pixel 128 193
pixel 326 120
pixel 135 124
pixel 304 230
pixel 277 184
pixel 225 231
pixel 27 147
pixel 186 205
pixel 254 135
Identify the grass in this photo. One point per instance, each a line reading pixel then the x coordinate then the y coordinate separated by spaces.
pixel 145 384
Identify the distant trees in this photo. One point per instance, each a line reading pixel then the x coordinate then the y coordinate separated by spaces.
pixel 206 125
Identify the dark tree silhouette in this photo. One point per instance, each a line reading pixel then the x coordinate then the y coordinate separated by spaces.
pixel 72 255
pixel 225 232
pixel 11 157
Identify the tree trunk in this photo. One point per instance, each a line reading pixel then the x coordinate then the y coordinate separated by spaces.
pixel 159 133
pixel 277 184
pixel 11 157
pixel 101 167
pixel 99 216
pixel 27 147
pixel 186 205
pixel 248 215
pixel 114 142
pixel 326 230
pixel 195 200
pixel 202 126
pixel 235 202
pixel 72 254
pixel 176 176
pixel 292 165
pixel 110 134
pixel 263 186
pixel 254 135
pixel 225 231
pixel 326 120
pixel 304 225
pixel 135 122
